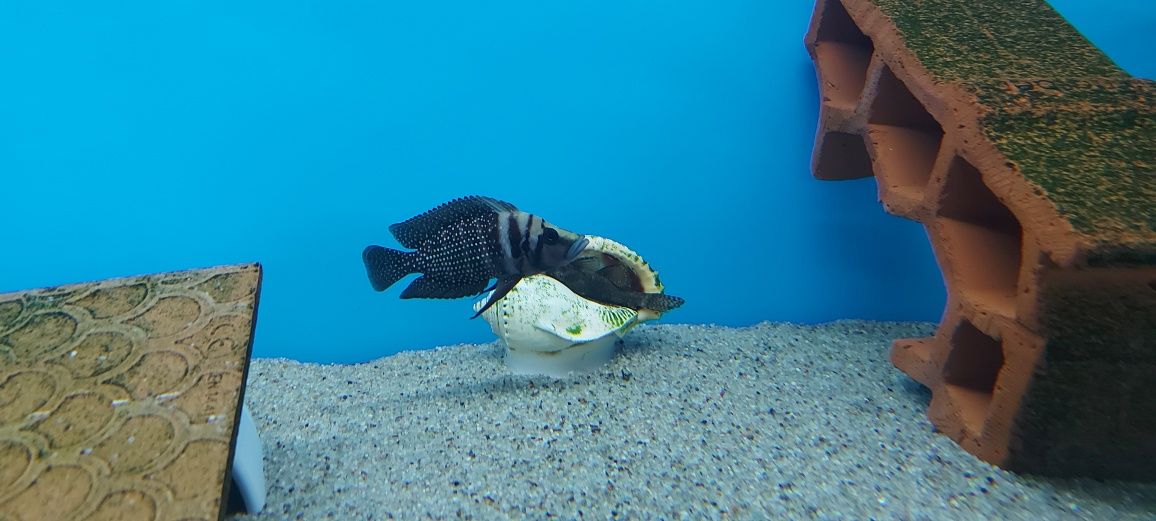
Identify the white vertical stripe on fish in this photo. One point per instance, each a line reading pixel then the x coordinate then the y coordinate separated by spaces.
pixel 534 228
pixel 504 220
pixel 455 251
pixel 523 225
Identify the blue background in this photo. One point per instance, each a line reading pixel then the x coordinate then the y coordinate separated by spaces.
pixel 145 136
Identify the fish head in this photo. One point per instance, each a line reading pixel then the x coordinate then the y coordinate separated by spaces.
pixel 557 247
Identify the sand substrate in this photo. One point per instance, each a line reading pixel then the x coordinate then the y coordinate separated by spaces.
pixel 689 422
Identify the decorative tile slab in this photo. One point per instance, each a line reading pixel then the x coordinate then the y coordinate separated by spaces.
pixel 119 399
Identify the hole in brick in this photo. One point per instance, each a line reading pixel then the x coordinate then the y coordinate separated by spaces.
pixel 984 239
pixel 842 54
pixel 843 156
pixel 904 137
pixel 895 105
pixel 970 373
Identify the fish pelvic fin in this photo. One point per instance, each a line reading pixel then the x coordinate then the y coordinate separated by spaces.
pixel 501 288
pixel 385 266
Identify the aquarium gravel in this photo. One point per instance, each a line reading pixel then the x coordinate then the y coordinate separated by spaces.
pixel 688 422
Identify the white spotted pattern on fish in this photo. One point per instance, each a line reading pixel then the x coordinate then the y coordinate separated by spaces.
pixel 464 243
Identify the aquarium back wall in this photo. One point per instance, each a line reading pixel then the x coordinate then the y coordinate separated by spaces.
pixel 139 137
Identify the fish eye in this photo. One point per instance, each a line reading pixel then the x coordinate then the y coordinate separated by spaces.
pixel 550 235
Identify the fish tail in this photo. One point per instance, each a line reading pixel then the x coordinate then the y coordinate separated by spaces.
pixel 386 266
pixel 662 302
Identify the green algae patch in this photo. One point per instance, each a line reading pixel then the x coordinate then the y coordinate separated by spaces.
pixel 1090 146
pixel 1068 119
pixel 961 40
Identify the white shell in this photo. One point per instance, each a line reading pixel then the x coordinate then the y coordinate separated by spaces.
pixel 548 329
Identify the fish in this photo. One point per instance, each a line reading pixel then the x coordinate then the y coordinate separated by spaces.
pixel 613 287
pixel 462 244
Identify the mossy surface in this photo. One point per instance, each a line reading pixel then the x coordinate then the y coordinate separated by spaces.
pixel 1090 410
pixel 1069 119
pixel 1099 316
pixel 1088 419
pixel 961 40
pixel 1090 146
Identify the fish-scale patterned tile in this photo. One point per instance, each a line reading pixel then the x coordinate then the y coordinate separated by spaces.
pixel 119 399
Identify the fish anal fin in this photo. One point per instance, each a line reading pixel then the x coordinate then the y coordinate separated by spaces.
pixel 430 287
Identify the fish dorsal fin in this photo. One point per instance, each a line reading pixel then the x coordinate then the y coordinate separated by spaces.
pixel 411 232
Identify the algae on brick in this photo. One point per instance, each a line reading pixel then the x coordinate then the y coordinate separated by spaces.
pixel 961 40
pixel 1091 146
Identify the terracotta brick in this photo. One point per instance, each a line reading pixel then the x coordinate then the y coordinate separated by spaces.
pixel 1029 157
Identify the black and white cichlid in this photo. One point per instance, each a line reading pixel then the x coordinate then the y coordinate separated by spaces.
pixel 461 245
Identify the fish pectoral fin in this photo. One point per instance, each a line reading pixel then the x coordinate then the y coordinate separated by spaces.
pixel 585 263
pixel 431 287
pixel 500 289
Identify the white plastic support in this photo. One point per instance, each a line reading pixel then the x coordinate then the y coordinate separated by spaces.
pixel 249 464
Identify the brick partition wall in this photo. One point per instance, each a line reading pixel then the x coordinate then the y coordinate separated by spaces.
pixel 1030 159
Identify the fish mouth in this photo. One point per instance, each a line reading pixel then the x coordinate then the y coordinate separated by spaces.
pixel 576 248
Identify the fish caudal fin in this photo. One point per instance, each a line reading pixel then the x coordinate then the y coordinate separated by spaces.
pixel 662 302
pixel 385 266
